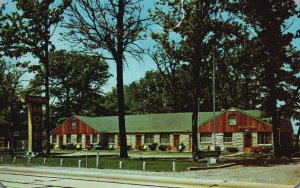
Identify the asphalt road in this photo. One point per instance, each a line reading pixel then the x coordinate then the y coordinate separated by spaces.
pixel 22 177
pixel 15 180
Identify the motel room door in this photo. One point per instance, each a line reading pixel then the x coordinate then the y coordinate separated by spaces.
pixel 61 140
pixel 247 140
pixel 87 140
pixel 176 140
pixel 138 142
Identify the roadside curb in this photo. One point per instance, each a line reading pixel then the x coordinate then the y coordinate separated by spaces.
pixel 211 167
pixel 137 179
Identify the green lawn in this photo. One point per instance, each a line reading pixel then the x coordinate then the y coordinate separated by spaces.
pixel 105 163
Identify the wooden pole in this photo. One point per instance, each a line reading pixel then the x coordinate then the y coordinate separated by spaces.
pixel 29 130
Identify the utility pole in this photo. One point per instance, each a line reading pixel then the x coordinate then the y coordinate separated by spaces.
pixel 214 91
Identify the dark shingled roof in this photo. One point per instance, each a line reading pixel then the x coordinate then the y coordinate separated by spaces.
pixel 153 123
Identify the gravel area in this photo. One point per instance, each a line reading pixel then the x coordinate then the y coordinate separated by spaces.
pixel 288 174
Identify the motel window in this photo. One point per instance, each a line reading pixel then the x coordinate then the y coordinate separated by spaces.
pixel 264 138
pixel 79 138
pixel 68 138
pixel 227 137
pixel 231 119
pixel 94 138
pixel 205 137
pixel 54 139
pixel 111 138
pixel 149 138
pixel 73 124
pixel 165 139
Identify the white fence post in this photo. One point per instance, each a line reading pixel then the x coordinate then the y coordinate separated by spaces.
pixel 61 162
pixel 144 166
pixel 121 164
pixel 79 163
pixel 174 166
pixel 45 160
pixel 97 160
pixel 15 159
pixel 86 158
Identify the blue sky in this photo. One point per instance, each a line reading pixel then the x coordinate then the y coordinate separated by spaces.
pixel 134 69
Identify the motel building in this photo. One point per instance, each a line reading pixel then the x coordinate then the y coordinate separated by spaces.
pixel 234 127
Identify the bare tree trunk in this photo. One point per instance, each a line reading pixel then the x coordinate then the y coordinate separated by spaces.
pixel 195 130
pixel 121 111
pixel 120 87
pixel 195 79
pixel 297 137
pixel 272 108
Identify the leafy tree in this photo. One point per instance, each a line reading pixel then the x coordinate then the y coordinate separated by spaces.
pixel 148 95
pixel 167 66
pixel 198 32
pixel 10 89
pixel 28 30
pixel 269 20
pixel 75 83
pixel 113 27
pixel 237 71
pixel 111 102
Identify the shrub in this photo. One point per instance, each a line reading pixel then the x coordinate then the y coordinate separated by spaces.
pixel 266 149
pixel 217 148
pixel 110 147
pixel 255 149
pixel 129 147
pixel 143 148
pixel 181 147
pixel 52 146
pixel 78 146
pixel 70 146
pixel 153 146
pixel 89 147
pixel 163 147
pixel 232 149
